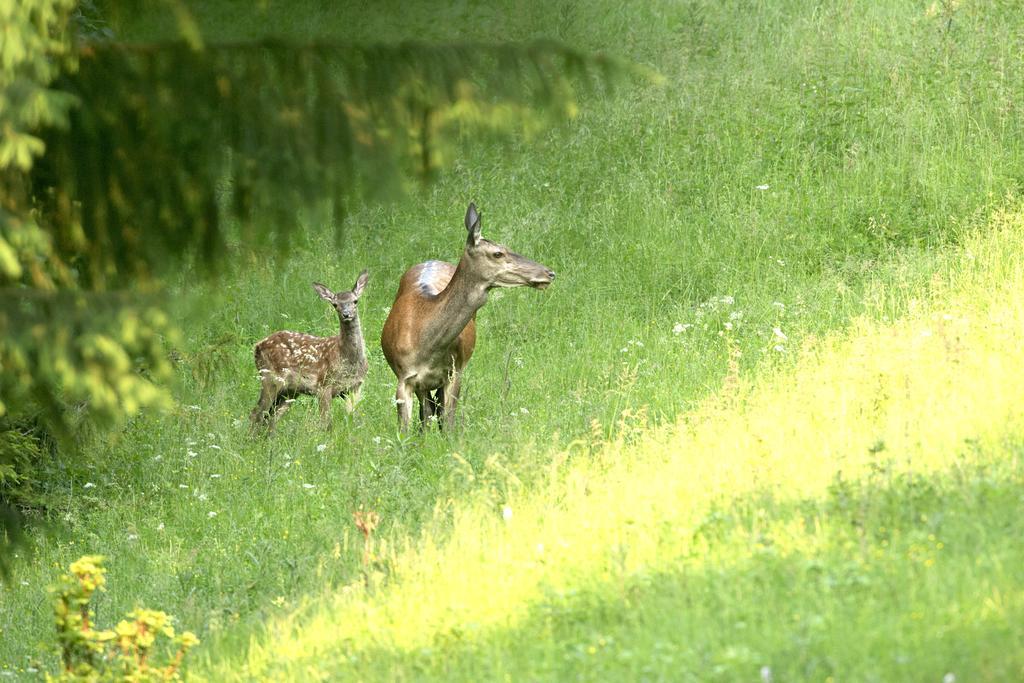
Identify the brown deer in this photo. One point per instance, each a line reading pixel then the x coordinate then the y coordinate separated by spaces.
pixel 430 332
pixel 292 363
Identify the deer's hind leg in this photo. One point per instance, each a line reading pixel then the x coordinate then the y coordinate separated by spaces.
pixel 282 404
pixel 267 403
pixel 427 406
pixel 438 399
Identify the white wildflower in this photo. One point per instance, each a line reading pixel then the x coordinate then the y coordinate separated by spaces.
pixel 524 410
pixel 182 486
pixel 89 485
pixel 215 446
pixel 214 476
pixel 376 440
pixel 191 453
pixel 762 188
pixel 766 674
pixel 540 548
pixel 211 514
pixel 728 325
pixel 160 527
pixel 779 305
pixel 779 348
pixel 777 331
pixel 309 486
pixel 320 448
pixel 133 537
pixel 728 300
pixel 949 678
pixel 506 513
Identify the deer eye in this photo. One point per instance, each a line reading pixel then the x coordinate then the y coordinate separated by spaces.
pixel 497 254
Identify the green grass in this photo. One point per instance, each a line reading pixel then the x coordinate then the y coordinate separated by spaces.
pixel 888 137
pixel 847 517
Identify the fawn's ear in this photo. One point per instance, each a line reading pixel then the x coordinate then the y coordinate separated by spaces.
pixel 325 294
pixel 361 283
pixel 473 225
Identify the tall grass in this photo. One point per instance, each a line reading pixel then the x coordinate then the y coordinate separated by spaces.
pixel 847 517
pixel 884 135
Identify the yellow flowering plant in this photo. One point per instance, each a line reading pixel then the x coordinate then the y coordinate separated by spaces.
pixel 126 653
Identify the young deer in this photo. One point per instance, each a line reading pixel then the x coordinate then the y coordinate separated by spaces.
pixel 292 363
pixel 430 333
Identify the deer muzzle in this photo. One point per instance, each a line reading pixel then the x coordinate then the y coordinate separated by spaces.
pixel 542 281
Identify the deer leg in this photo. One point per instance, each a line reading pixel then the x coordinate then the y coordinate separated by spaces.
pixel 282 404
pixel 426 407
pixel 403 402
pixel 266 403
pixel 325 396
pixel 451 397
pixel 353 397
pixel 438 399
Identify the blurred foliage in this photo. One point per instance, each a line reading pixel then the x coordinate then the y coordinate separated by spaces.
pixel 268 127
pixel 118 160
pixel 124 653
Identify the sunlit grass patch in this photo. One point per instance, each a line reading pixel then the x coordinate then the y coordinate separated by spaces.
pixel 932 394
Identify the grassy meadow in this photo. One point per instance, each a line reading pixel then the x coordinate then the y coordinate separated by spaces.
pixel 765 424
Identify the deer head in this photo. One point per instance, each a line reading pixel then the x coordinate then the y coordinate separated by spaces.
pixel 344 302
pixel 496 264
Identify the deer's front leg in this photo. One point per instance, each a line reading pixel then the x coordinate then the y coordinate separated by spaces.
pixel 426 407
pixel 325 397
pixel 403 402
pixel 451 397
pixel 353 397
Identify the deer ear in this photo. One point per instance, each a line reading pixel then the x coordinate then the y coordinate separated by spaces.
pixel 361 283
pixel 325 294
pixel 473 225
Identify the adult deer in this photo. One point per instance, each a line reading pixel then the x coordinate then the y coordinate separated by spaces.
pixel 431 330
pixel 292 363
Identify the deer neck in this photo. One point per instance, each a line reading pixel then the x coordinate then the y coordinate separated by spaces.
pixel 454 308
pixel 350 341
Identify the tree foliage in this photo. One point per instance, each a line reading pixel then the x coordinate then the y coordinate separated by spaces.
pixel 286 125
pixel 119 159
